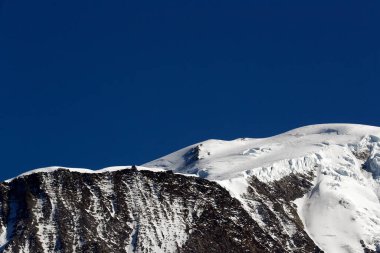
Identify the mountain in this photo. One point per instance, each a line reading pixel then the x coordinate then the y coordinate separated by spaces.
pixel 340 208
pixel 312 189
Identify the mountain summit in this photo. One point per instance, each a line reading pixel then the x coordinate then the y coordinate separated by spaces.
pixel 312 189
pixel 340 210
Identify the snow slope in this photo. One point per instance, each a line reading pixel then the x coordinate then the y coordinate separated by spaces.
pixel 341 213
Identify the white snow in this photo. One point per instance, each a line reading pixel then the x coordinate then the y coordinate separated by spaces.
pixel 343 206
pixel 220 160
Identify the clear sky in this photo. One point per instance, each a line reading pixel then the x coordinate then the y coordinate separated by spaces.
pixel 100 83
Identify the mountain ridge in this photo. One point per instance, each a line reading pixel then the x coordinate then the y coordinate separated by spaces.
pixel 309 189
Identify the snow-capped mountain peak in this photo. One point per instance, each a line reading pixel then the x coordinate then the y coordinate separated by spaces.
pixel 218 159
pixel 310 189
pixel 340 212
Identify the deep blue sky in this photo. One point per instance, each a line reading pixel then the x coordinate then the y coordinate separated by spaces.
pixel 101 83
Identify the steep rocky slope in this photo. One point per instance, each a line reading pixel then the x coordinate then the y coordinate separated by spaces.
pixel 128 210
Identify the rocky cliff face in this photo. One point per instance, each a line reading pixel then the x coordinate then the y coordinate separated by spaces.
pixel 134 211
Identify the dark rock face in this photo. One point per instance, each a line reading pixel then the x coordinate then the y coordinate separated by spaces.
pixel 272 204
pixel 144 211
